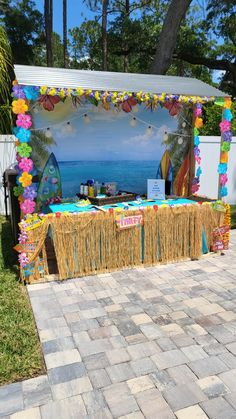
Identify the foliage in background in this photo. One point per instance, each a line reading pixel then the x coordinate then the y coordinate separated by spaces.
pixel 6 75
pixel 212 115
pixel 20 351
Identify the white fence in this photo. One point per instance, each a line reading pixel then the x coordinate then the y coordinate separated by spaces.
pixel 7 157
pixel 210 154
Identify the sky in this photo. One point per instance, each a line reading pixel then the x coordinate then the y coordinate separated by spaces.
pixel 108 136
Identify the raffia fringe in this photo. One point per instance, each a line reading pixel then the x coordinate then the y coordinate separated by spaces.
pixel 91 243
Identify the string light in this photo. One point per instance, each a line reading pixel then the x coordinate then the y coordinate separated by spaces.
pixel 48 133
pixel 180 140
pixel 133 122
pixel 149 130
pixel 87 120
pixel 68 127
pixel 184 124
pixel 165 137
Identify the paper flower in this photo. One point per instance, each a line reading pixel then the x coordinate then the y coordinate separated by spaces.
pixel 223 179
pixel 195 180
pixel 224 125
pixel 227 103
pixel 25 179
pixel 196 151
pixel 31 92
pixel 198 159
pixel 195 188
pixel 30 193
pixel 23 121
pixel 43 90
pixel 222 168
pixel 198 172
pixel 18 190
pixel 225 146
pixel 28 206
pixel 197 111
pixel 24 150
pixel 23 237
pixel 224 157
pixel 19 106
pixel 224 191
pixel 26 165
pixel 23 259
pixel 227 136
pixel 196 141
pixel 198 122
pixel 23 135
pixel 227 114
pixel 195 131
pixel 48 102
pixel 18 92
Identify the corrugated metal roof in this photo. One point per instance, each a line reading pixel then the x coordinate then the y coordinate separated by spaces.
pixel 104 80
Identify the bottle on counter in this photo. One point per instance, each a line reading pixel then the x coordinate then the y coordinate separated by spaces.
pixel 90 191
pixel 96 189
pixel 81 191
pixel 103 188
pixel 86 189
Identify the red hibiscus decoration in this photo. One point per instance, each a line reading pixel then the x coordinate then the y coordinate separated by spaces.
pixel 48 101
pixel 128 104
pixel 173 107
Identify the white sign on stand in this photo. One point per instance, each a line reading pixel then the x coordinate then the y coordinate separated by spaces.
pixel 155 189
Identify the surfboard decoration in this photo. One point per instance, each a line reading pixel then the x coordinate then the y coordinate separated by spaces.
pixel 165 169
pixel 182 178
pixel 50 184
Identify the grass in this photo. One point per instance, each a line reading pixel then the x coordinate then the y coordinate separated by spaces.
pixel 20 351
pixel 233 216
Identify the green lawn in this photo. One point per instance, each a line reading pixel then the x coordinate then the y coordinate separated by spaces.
pixel 233 216
pixel 20 351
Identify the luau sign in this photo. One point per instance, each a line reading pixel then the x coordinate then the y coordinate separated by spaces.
pixel 219 242
pixel 128 222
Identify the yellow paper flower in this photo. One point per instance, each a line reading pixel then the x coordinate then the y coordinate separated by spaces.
pixel 62 93
pixel 15 83
pixel 79 91
pixel 97 96
pixel 25 179
pixel 69 91
pixel 43 90
pixel 52 91
pixel 19 106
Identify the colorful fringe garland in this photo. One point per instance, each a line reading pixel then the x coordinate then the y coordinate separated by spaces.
pixel 198 123
pixel 226 135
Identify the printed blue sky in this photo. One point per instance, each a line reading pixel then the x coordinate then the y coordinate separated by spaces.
pixel 108 136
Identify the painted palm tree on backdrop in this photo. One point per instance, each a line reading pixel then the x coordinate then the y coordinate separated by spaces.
pixel 65 41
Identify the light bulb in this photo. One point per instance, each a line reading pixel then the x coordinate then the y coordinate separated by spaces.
pixel 165 137
pixel 133 122
pixel 48 133
pixel 184 124
pixel 68 127
pixel 149 130
pixel 86 119
pixel 180 140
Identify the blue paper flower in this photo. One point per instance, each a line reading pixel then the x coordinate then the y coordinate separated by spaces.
pixel 196 140
pixel 227 136
pixel 224 191
pixel 31 92
pixel 198 172
pixel 222 168
pixel 23 135
pixel 227 114
pixel 18 92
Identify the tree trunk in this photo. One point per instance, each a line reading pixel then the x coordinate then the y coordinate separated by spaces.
pixel 126 56
pixel 48 16
pixel 65 56
pixel 168 36
pixel 104 34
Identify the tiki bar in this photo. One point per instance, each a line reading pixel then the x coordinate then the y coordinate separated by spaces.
pixel 108 171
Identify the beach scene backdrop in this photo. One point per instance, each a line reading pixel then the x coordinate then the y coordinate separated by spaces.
pixel 107 146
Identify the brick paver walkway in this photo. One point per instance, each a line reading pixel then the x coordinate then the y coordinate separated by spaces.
pixel 156 343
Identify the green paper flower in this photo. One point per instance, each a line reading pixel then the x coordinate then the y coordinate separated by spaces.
pixel 196 132
pixel 24 150
pixel 18 190
pixel 225 146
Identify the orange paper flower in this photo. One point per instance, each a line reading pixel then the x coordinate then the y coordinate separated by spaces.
pixel 227 103
pixel 198 123
pixel 224 157
pixel 20 199
pixel 25 179
pixel 19 106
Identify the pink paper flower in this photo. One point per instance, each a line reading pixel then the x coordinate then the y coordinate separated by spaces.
pixel 225 125
pixel 23 121
pixel 197 112
pixel 195 188
pixel 223 179
pixel 28 206
pixel 26 165
pixel 23 259
pixel 198 160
